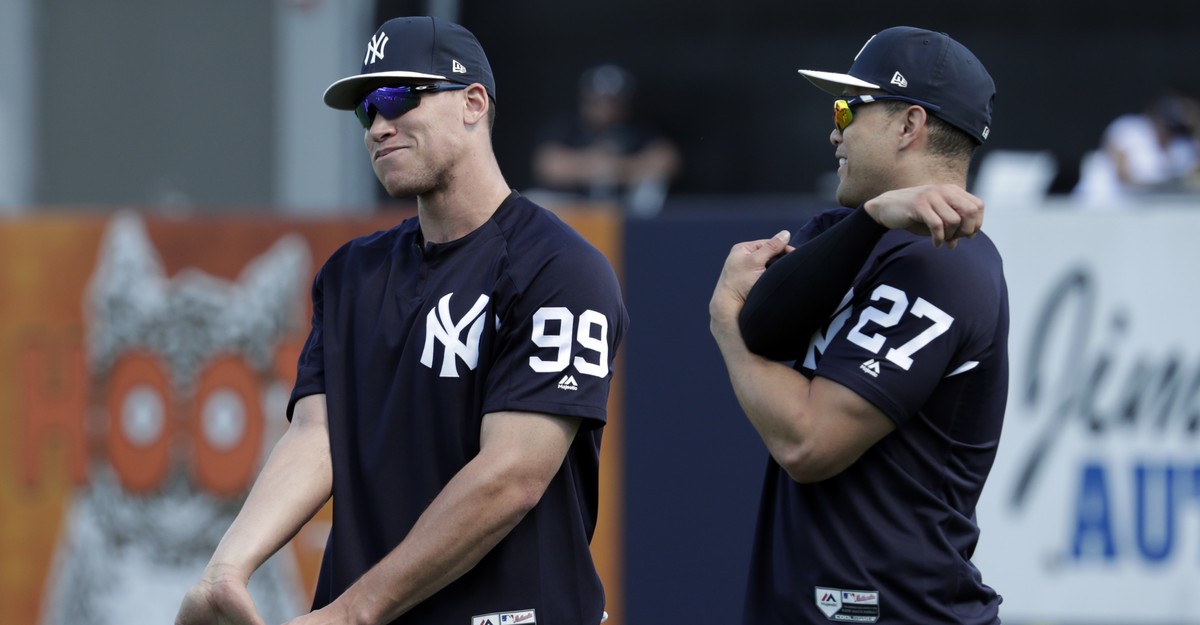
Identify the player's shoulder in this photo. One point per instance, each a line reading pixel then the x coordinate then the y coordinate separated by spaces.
pixel 543 248
pixel 968 257
pixel 539 233
pixel 971 274
pixel 370 245
pixel 819 223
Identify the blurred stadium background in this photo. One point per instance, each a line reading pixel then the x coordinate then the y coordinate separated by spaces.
pixel 169 178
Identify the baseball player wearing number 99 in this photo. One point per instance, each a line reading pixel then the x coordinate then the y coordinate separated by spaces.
pixel 883 432
pixel 453 389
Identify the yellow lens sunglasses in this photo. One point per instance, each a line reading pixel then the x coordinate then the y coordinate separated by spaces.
pixel 843 109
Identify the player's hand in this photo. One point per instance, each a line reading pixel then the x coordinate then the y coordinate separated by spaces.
pixel 945 212
pixel 218 598
pixel 743 267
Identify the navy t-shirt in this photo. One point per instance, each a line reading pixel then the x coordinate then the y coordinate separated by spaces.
pixel 922 335
pixel 412 344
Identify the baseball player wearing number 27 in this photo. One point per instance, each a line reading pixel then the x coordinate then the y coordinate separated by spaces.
pixel 882 434
pixel 452 392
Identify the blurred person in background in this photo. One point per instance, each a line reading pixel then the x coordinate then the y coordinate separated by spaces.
pixel 602 153
pixel 1156 150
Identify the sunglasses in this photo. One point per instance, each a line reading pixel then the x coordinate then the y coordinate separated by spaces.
pixel 843 110
pixel 392 102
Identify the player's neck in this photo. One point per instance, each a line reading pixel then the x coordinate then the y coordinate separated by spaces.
pixel 916 177
pixel 452 213
pixel 914 172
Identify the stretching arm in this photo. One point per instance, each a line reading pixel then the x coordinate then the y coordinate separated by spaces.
pixel 796 294
pixel 520 454
pixel 799 291
pixel 295 482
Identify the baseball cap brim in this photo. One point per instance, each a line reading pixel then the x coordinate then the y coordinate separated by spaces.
pixel 346 93
pixel 834 83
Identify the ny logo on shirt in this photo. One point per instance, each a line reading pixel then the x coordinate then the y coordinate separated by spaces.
pixel 441 326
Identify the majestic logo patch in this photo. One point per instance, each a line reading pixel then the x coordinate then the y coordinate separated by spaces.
pixel 568 383
pixel 848 606
pixel 870 367
pixel 375 48
pixel 441 326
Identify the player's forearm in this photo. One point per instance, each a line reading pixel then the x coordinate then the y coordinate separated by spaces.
pixel 773 396
pixel 293 485
pixel 798 293
pixel 472 514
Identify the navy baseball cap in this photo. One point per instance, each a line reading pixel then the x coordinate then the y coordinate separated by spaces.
pixel 923 65
pixel 408 50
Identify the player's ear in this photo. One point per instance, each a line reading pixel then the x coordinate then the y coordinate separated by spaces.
pixel 915 120
pixel 475 104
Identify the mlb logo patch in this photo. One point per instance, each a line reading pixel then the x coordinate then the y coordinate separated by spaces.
pixel 520 617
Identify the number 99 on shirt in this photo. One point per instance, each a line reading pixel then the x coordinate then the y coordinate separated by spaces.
pixel 555 328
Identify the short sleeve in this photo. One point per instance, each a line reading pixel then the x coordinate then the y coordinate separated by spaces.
pixel 922 316
pixel 558 338
pixel 310 370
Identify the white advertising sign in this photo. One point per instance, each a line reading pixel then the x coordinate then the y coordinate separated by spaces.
pixel 1092 511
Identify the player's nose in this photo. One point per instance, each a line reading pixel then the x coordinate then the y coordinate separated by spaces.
pixel 381 128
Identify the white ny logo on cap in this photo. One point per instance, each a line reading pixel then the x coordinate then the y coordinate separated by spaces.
pixel 375 48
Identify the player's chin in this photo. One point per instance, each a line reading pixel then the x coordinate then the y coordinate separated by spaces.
pixel 847 196
pixel 399 186
pixel 853 192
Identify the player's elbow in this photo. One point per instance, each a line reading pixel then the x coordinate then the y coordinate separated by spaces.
pixel 757 340
pixel 517 492
pixel 764 336
pixel 526 495
pixel 807 462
